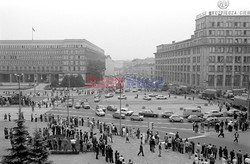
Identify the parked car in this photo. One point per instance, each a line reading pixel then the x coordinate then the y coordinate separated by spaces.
pixel 77 105
pixel 127 90
pixel 194 118
pixel 175 118
pixel 146 97
pixel 161 97
pixel 99 112
pixel 118 115
pixel 123 97
pixel 211 121
pixel 215 113
pixel 152 95
pixel 85 105
pixel 126 111
pixel 69 102
pixel 231 112
pixel 101 107
pixel 111 108
pixel 96 100
pixel 192 111
pixel 109 95
pixel 148 113
pixel 166 114
pixel 118 91
pixel 134 90
pixel 136 117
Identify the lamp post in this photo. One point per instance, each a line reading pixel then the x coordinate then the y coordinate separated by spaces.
pixel 68 98
pixel 18 76
pixel 120 85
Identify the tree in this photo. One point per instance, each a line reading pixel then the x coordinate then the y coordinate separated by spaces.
pixel 73 81
pixel 39 152
pixel 95 68
pixel 20 151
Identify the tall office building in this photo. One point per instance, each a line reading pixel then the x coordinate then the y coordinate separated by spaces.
pixel 216 56
pixel 46 60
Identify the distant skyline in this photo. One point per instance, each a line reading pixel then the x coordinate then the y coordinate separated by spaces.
pixel 124 29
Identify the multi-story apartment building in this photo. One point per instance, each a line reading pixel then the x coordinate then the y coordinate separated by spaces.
pixel 216 56
pixel 45 60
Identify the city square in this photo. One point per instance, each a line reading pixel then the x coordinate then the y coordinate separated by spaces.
pixel 125 82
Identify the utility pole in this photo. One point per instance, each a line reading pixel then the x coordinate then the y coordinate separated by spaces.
pixel 19 97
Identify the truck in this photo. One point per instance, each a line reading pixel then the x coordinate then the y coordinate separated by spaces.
pixel 208 94
pixel 240 102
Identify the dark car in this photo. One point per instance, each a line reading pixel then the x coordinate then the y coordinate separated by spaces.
pixel 85 105
pixel 118 115
pixel 111 108
pixel 166 114
pixel 148 113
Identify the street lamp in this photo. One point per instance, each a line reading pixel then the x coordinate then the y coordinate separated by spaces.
pixel 68 98
pixel 18 76
pixel 120 85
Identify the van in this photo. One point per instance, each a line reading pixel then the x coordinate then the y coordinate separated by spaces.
pixel 192 111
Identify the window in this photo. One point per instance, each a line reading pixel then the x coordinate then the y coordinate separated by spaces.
pixel 211 68
pixel 229 59
pixel 220 59
pixel 211 59
pixel 237 59
pixel 229 68
pixel 220 68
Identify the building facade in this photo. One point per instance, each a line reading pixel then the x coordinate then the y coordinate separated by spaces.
pixel 144 68
pixel 217 55
pixel 110 66
pixel 46 60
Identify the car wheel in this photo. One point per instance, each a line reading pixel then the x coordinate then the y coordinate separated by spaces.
pixel 181 120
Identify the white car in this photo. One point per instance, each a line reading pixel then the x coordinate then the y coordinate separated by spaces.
pixel 136 117
pixel 124 97
pixel 101 107
pixel 161 97
pixel 96 100
pixel 175 118
pixel 126 111
pixel 146 97
pixel 215 113
pixel 78 105
pixel 99 112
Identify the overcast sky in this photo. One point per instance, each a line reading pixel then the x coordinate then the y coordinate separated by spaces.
pixel 125 29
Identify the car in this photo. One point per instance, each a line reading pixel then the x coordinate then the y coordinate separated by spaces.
pixel 118 115
pixel 211 121
pixel 96 100
pixel 194 118
pixel 148 113
pixel 175 118
pixel 117 91
pixel 126 111
pixel 134 90
pixel 109 95
pixel 166 114
pixel 97 96
pixel 127 90
pixel 123 97
pixel 232 112
pixel 101 107
pixel 111 108
pixel 136 117
pixel 85 105
pixel 77 105
pixel 99 112
pixel 152 95
pixel 146 98
pixel 69 102
pixel 215 113
pixel 73 89
pixel 161 97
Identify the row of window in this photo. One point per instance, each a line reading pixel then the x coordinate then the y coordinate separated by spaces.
pixel 226 33
pixel 28 62
pixel 179 68
pixel 43 46
pixel 229 59
pixel 42 52
pixel 221 68
pixel 231 49
pixel 223 24
pixel 179 60
pixel 195 50
pixel 30 68
pixel 228 81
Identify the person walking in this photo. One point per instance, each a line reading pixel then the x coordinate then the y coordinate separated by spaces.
pixel 236 136
pixel 97 151
pixel 221 132
pixel 140 150
pixel 127 139
pixel 159 150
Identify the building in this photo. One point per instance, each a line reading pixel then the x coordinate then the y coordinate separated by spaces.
pixel 46 60
pixel 140 67
pixel 216 56
pixel 110 66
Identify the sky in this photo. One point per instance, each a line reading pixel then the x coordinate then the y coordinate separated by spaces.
pixel 124 29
